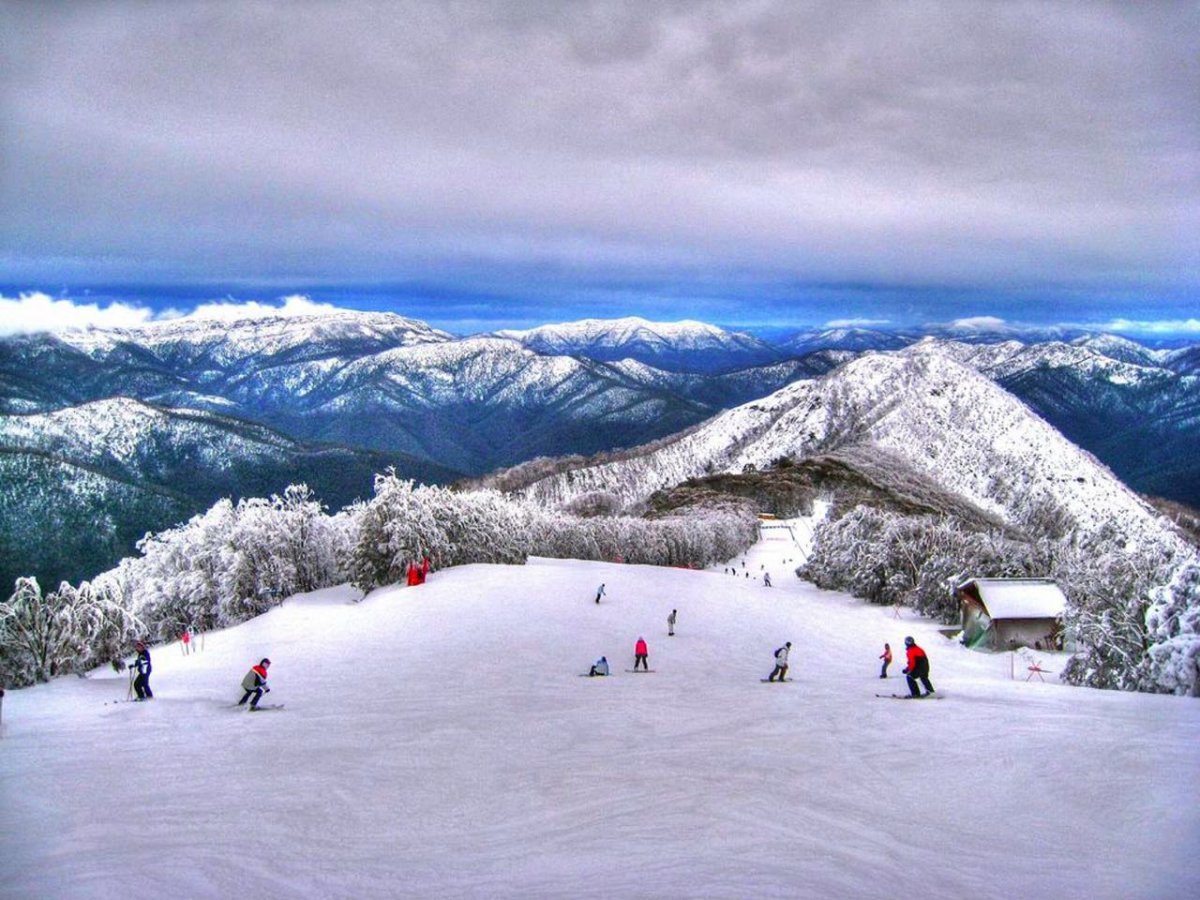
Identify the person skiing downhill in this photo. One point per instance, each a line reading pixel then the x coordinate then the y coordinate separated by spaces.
pixel 141 684
pixel 886 656
pixel 255 683
pixel 781 663
pixel 599 593
pixel 640 655
pixel 671 623
pixel 917 669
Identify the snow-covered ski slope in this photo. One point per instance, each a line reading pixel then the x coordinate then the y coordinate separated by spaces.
pixel 438 742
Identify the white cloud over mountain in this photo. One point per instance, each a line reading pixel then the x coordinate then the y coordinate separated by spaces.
pixel 36 312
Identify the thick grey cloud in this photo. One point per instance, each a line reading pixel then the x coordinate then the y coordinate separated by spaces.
pixel 960 142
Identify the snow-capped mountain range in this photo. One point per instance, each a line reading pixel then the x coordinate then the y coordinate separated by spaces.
pixel 239 405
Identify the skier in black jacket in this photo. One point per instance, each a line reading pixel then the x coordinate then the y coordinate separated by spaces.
pixel 141 684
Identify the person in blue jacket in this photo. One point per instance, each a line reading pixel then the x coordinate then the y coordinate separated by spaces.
pixel 141 684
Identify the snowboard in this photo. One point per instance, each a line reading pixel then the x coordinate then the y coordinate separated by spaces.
pixel 776 681
pixel 263 707
pixel 935 696
pixel 641 671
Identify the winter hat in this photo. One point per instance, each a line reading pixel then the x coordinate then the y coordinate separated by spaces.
pixel 908 642
pixel 265 662
pixel 141 645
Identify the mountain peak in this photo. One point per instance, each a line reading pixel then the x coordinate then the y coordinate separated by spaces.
pixel 686 345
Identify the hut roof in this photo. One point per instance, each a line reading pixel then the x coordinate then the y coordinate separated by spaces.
pixel 1019 598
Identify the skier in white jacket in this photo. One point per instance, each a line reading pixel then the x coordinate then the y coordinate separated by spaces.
pixel 781 663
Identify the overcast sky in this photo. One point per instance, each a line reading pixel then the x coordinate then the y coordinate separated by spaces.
pixel 509 163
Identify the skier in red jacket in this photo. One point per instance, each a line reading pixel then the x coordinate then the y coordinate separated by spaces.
pixel 640 655
pixel 917 668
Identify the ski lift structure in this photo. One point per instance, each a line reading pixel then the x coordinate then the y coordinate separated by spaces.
pixel 772 527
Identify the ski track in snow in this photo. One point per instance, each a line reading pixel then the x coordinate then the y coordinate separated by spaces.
pixel 437 742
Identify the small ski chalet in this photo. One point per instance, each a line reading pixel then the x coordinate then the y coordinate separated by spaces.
pixel 1006 613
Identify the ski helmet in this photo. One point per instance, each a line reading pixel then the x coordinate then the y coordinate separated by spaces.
pixel 265 662
pixel 908 642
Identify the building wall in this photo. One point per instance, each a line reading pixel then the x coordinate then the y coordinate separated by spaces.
pixel 1008 634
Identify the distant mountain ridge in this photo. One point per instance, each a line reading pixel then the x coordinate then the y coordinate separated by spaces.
pixel 944 419
pixel 686 346
pixel 332 399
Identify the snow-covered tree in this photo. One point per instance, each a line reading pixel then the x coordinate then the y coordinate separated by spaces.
pixel 1173 629
pixel 42 636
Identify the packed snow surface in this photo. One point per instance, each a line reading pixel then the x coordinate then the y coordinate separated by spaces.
pixel 437 741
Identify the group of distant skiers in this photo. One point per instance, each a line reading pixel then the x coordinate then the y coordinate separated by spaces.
pixel 916 669
pixel 254 684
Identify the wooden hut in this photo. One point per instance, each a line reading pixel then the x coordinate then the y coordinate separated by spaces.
pixel 1006 613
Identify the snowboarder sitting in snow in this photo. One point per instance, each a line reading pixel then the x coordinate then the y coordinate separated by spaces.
pixel 886 656
pixel 141 684
pixel 255 683
pixel 641 655
pixel 781 663
pixel 600 668
pixel 917 668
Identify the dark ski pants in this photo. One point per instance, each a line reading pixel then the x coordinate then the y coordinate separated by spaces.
pixel 781 671
pixel 883 671
pixel 912 685
pixel 141 687
pixel 640 658
pixel 257 692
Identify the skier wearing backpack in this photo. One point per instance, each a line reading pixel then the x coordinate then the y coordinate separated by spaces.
pixel 781 663
pixel 917 669
pixel 255 683
pixel 641 655
pixel 141 684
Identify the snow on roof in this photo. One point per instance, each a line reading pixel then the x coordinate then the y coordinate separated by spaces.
pixel 1020 598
